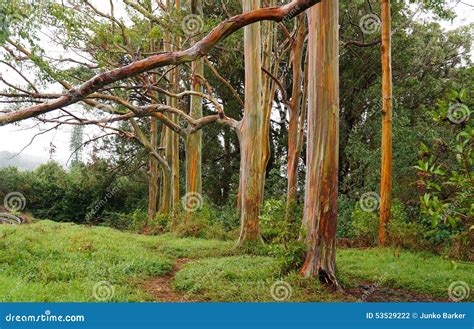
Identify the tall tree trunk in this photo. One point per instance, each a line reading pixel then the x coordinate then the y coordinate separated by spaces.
pixel 252 142
pixel 194 141
pixel 166 138
pixel 295 106
pixel 174 136
pixel 386 174
pixel 166 187
pixel 320 211
pixel 154 174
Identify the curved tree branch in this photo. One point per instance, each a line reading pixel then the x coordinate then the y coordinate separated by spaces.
pixel 200 49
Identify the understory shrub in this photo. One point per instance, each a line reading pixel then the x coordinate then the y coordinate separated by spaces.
pixel 401 231
pixel 278 227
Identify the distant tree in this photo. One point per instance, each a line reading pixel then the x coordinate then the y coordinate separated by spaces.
pixel 76 144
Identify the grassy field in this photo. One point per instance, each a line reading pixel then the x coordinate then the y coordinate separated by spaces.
pixel 51 262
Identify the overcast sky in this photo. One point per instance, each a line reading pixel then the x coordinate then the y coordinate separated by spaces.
pixel 15 138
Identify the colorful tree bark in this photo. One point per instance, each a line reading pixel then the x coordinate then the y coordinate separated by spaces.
pixel 386 174
pixel 320 209
pixel 194 141
pixel 252 135
pixel 295 110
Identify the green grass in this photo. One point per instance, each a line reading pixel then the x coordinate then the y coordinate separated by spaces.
pixel 192 247
pixel 52 262
pixel 246 279
pixel 421 272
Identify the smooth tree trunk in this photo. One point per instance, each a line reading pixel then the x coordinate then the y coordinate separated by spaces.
pixel 167 142
pixel 295 110
pixel 386 174
pixel 175 136
pixel 251 134
pixel 194 141
pixel 320 208
pixel 153 186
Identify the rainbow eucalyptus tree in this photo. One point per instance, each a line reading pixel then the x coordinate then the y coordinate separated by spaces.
pixel 386 173
pixel 320 206
pixel 297 107
pixel 194 141
pixel 253 146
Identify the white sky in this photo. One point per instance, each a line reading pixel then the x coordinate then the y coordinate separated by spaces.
pixel 14 138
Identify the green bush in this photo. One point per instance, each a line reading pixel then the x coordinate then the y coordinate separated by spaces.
pixel 202 223
pixel 290 255
pixel 406 235
pixel 345 208
pixel 401 232
pixel 366 226
pixel 229 217
pixel 275 226
pixel 80 194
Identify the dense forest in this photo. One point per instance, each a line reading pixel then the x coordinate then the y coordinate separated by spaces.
pixel 284 128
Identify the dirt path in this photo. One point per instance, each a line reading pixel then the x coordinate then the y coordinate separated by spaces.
pixel 161 288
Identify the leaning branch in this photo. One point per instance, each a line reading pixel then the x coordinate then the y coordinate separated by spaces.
pixel 200 49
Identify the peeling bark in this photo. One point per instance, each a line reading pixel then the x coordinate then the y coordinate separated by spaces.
pixel 194 141
pixel 295 110
pixel 252 141
pixel 320 210
pixel 175 137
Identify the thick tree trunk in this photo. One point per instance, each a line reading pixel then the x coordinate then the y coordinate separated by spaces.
pixel 386 174
pixel 294 149
pixel 320 211
pixel 252 142
pixel 194 141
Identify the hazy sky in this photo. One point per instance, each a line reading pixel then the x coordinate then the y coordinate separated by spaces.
pixel 14 138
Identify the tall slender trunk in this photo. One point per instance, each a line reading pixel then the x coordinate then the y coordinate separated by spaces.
pixel 251 134
pixel 194 141
pixel 165 199
pixel 386 174
pixel 295 106
pixel 166 139
pixel 153 186
pixel 174 136
pixel 320 211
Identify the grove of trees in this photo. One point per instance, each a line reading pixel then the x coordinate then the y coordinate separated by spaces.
pixel 274 119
